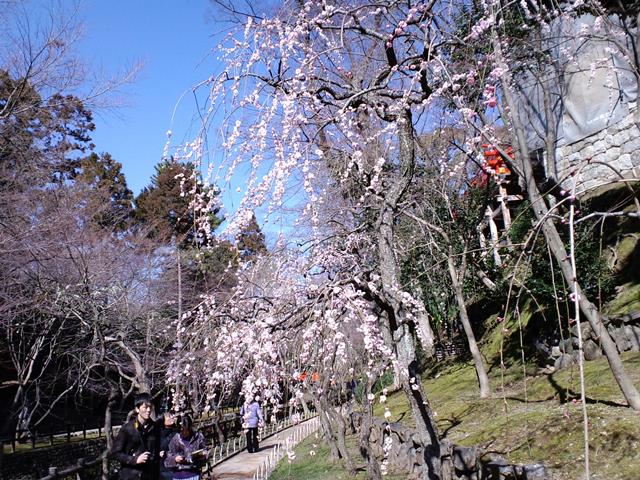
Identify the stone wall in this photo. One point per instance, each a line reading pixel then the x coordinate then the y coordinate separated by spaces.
pixel 624 331
pixel 617 146
pixel 405 453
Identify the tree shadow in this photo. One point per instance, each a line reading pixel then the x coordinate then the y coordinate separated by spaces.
pixel 455 420
pixel 402 415
pixel 566 395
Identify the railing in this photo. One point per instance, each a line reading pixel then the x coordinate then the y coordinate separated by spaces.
pixel 218 454
pixel 450 349
pixel 84 430
pixel 237 444
pixel 77 470
pixel 48 438
pixel 281 449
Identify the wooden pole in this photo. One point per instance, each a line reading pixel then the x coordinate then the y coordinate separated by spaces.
pixel 493 228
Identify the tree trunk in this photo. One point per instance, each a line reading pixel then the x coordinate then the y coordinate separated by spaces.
pixel 10 423
pixel 341 430
pixel 305 407
pixel 423 326
pixel 420 407
pixel 399 318
pixel 636 70
pixel 373 467
pixel 334 428
pixel 219 418
pixel 108 424
pixel 556 245
pixel 388 340
pixel 328 435
pixel 483 379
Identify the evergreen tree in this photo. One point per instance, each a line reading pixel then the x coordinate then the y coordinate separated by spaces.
pixel 250 241
pixel 112 199
pixel 164 211
pixel 40 139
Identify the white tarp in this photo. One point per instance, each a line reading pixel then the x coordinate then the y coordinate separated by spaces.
pixel 590 82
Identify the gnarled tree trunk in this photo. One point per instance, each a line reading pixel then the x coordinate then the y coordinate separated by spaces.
pixel 398 318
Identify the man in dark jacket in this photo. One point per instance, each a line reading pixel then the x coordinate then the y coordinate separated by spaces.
pixel 136 446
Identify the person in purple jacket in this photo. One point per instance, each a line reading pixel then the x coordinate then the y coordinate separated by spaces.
pixel 187 452
pixel 251 414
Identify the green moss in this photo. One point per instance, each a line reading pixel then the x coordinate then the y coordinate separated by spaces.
pixel 528 419
pixel 538 418
pixel 319 466
pixel 625 251
pixel 626 301
pixel 309 466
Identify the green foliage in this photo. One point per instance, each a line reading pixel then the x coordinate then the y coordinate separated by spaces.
pixel 111 199
pixel 424 268
pixel 210 268
pixel 163 210
pixel 39 138
pixel 250 241
pixel 595 277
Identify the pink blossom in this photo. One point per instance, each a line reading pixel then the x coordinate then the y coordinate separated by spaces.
pixel 491 102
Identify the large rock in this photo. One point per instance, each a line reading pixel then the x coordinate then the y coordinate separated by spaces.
pixel 563 361
pixel 375 435
pixel 498 469
pixel 585 327
pixel 465 459
pixel 415 438
pixel 536 471
pixel 566 346
pixel 620 338
pixel 419 464
pixel 404 457
pixel 633 335
pixel 591 350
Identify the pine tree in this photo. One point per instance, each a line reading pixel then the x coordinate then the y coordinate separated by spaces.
pixel 250 241
pixel 163 210
pixel 111 199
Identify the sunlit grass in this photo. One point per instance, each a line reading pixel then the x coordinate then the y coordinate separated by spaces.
pixel 319 466
pixel 543 425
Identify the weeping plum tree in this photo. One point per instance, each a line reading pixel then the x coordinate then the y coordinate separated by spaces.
pixel 324 82
pixel 324 104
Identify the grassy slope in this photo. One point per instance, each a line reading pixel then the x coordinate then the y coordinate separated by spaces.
pixel 535 417
pixel 626 302
pixel 529 418
pixel 544 424
pixel 318 466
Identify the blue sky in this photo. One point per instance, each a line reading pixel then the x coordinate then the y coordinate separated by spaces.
pixel 174 39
